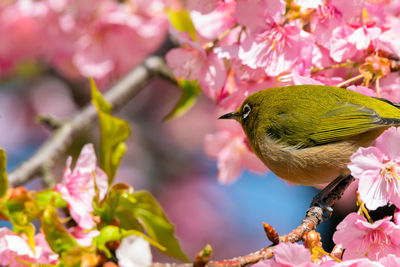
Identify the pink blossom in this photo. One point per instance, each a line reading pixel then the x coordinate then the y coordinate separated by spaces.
pixel 14 249
pixel 215 23
pixel 288 255
pixel 363 262
pixel 231 149
pixel 361 239
pixel 276 50
pixel 116 34
pixel 258 15
pixel 349 9
pixel 204 6
pixel 362 37
pixel 235 91
pixel 340 48
pixel 378 170
pixel 44 254
pixel 390 87
pixel 77 186
pixel 390 260
pixel 194 63
pixel 362 90
pixel 84 237
pixel 327 19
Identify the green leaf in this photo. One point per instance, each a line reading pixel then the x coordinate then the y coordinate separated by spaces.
pixel 3 173
pixel 157 224
pixel 48 197
pixel 111 233
pixel 190 91
pixel 57 236
pixel 139 212
pixel 113 131
pixel 181 21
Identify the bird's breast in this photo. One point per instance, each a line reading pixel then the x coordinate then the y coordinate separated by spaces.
pixel 306 166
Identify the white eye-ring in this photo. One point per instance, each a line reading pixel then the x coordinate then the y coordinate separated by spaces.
pixel 246 111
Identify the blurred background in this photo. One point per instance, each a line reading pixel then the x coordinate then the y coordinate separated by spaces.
pixel 48 49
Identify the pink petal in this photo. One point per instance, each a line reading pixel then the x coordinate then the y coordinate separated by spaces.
pixel 185 63
pixel 373 192
pixel 256 14
pixel 362 90
pixel 347 233
pixel 253 163
pixel 366 163
pixel 389 143
pixel 390 260
pixel 291 254
pixel 212 76
pixel 214 143
pixel 230 162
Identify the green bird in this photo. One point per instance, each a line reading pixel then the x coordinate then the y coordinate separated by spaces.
pixel 306 134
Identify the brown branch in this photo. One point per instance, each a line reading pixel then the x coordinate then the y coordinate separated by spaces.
pixel 314 217
pixel 118 96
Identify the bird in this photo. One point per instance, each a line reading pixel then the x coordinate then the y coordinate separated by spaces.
pixel 306 134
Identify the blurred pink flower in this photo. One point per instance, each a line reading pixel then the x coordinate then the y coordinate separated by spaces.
pixel 362 239
pixel 44 254
pixel 378 169
pixel 194 63
pixel 14 249
pixel 77 186
pixel 288 255
pixel 204 6
pixel 84 237
pixel 215 23
pixel 119 41
pixel 276 50
pixel 258 15
pixel 362 90
pixel 231 149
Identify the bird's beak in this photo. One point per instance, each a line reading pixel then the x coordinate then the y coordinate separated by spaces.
pixel 231 115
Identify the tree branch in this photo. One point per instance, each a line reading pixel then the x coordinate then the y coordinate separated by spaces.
pixel 117 96
pixel 313 219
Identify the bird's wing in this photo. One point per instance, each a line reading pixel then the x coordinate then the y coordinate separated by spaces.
pixel 342 121
pixel 345 120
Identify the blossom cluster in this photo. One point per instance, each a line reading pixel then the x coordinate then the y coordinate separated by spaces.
pixel 78 189
pixel 240 47
pixel 100 39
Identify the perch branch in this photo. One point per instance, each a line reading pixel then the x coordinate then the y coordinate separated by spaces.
pixel 117 96
pixel 313 219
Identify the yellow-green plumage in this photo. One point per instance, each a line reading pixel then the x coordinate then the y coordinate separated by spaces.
pixel 306 134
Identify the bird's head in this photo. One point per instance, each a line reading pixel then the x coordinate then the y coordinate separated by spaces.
pixel 247 113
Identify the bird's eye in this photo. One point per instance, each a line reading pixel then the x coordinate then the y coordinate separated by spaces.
pixel 246 111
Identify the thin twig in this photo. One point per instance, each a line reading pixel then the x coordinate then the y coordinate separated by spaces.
pixel 117 96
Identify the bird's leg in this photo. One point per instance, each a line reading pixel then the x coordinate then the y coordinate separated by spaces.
pixel 329 195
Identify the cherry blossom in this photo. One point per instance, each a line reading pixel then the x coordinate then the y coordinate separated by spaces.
pixel 77 186
pixel 194 63
pixel 232 150
pixel 84 237
pixel 288 255
pixel 276 50
pixel 377 169
pixel 14 250
pixel 361 239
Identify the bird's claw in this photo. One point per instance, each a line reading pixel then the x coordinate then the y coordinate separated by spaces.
pixel 326 209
